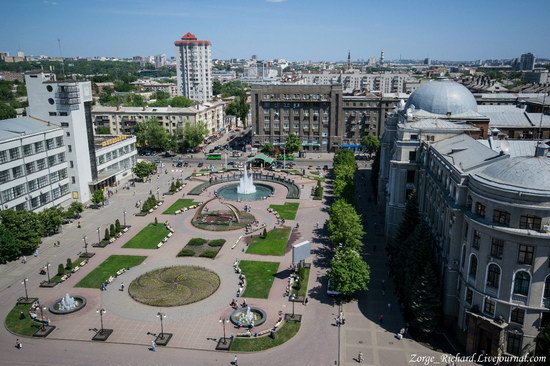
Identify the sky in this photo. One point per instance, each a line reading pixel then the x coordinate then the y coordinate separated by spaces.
pixel 297 30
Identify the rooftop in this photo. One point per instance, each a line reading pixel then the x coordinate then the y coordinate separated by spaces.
pixel 465 153
pixel 442 97
pixel 16 127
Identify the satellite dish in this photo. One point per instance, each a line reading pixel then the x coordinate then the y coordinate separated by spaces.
pixel 505 147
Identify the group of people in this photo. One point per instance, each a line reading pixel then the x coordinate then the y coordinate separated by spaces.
pixel 340 319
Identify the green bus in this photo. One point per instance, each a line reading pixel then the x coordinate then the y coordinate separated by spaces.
pixel 214 156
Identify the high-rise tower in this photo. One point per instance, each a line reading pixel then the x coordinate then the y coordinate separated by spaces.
pixel 349 60
pixel 194 68
pixel 382 57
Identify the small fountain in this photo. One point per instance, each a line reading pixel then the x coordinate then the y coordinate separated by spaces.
pixel 249 317
pixel 68 304
pixel 246 184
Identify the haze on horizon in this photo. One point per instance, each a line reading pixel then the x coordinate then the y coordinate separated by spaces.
pixel 290 29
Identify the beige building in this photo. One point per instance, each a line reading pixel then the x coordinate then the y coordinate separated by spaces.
pixel 122 120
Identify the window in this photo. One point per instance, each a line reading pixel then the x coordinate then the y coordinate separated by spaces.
pixel 3 157
pixel 59 141
pixel 42 181
pixel 546 293
pixel 525 254
pixel 530 222
pixel 517 315
pixel 497 248
pixel 51 160
pixel 410 176
pixel 17 171
pixel 39 146
pixel 14 153
pixel 480 209
pixel 489 307
pixel 49 144
pixel 465 230
pixel 4 176
pixel 27 150
pixel 514 342
pixel 469 296
pixel 73 180
pixel 476 240
pixel 473 267
pixel 501 217
pixel 69 148
pixel 493 276
pixel 521 283
pixel 41 164
pixel 71 164
pixel 412 155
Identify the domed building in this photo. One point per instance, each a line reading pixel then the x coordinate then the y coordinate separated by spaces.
pixel 488 207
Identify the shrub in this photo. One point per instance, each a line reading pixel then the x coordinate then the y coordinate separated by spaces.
pixel 112 231
pixel 60 269
pixel 209 253
pixel 216 243
pixel 118 228
pixel 173 187
pixel 107 235
pixel 196 242
pixel 186 253
pixel 69 264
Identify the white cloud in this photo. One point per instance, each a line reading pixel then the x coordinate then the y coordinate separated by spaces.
pixel 276 1
pixel 49 2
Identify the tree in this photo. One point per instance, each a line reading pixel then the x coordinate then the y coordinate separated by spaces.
pixel 118 228
pixel 344 225
pixel 25 226
pixel 542 347
pixel 181 102
pixel 151 134
pixel 411 219
pixel 267 148
pixel 98 197
pixel 103 131
pixel 293 143
pixel 51 219
pixel 60 270
pixel 159 95
pixel 69 264
pixel 107 235
pixel 425 302
pixel 112 231
pixel 143 169
pixel 6 111
pixel 216 87
pixel 349 273
pixel 371 143
pixel 9 245
pixel 194 134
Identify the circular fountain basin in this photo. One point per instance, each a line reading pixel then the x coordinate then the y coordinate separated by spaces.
pixel 230 193
pixel 56 308
pixel 238 316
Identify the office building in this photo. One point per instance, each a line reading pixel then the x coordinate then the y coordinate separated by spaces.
pixel 33 165
pixel 486 202
pixel 526 62
pixel 194 68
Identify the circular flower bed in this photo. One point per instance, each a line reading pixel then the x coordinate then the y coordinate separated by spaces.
pixel 174 286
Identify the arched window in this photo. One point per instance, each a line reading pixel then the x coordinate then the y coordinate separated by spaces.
pixel 521 283
pixel 473 267
pixel 493 276
pixel 547 287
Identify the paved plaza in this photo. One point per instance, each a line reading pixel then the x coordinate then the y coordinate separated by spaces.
pixel 196 327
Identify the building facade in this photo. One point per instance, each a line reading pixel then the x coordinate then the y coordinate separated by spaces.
pixel 194 68
pixel 527 62
pixel 356 80
pixel 488 207
pixel 33 165
pixel 312 112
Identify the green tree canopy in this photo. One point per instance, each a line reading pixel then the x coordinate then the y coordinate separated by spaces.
pixel 371 143
pixel 25 226
pixel 181 102
pixel 349 273
pixel 194 134
pixel 425 302
pixel 143 169
pixel 9 245
pixel 7 111
pixel 160 95
pixel 52 219
pixel 293 143
pixel 267 148
pixel 152 134
pixel 98 197
pixel 344 225
pixel 410 220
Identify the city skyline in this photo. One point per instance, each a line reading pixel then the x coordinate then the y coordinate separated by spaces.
pixel 289 29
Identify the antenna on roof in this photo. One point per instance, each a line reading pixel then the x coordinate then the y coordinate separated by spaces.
pixel 61 55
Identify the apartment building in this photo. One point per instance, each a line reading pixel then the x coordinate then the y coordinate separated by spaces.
pixel 194 68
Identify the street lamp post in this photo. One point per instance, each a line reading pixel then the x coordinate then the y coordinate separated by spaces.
pixel 101 312
pixel 161 316
pixel 224 321
pixel 124 213
pixel 284 158
pixel 98 237
pixel 48 271
pixel 158 193
pixel 25 284
pixel 292 298
pixel 85 245
pixel 42 308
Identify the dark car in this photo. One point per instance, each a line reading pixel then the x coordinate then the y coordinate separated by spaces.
pixel 231 163
pixel 200 165
pixel 325 167
pixel 179 164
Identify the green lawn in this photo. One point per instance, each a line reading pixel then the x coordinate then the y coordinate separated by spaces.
pixel 259 278
pixel 274 243
pixel 24 327
pixel 286 211
pixel 179 204
pixel 54 269
pixel 148 237
pixel 287 331
pixel 109 268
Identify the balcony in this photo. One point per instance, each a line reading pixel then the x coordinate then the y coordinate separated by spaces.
pixel 491 291
pixel 521 299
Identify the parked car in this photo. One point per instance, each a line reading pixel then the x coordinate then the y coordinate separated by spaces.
pixel 200 165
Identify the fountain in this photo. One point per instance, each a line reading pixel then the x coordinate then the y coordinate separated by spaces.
pixel 246 184
pixel 68 304
pixel 249 317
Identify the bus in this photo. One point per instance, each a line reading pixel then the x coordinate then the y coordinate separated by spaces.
pixel 214 156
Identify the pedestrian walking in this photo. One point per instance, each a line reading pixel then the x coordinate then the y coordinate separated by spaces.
pixel 36 253
pixel 18 344
pixel 360 357
pixel 235 361
pixel 153 346
pixel 122 286
pixel 317 225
